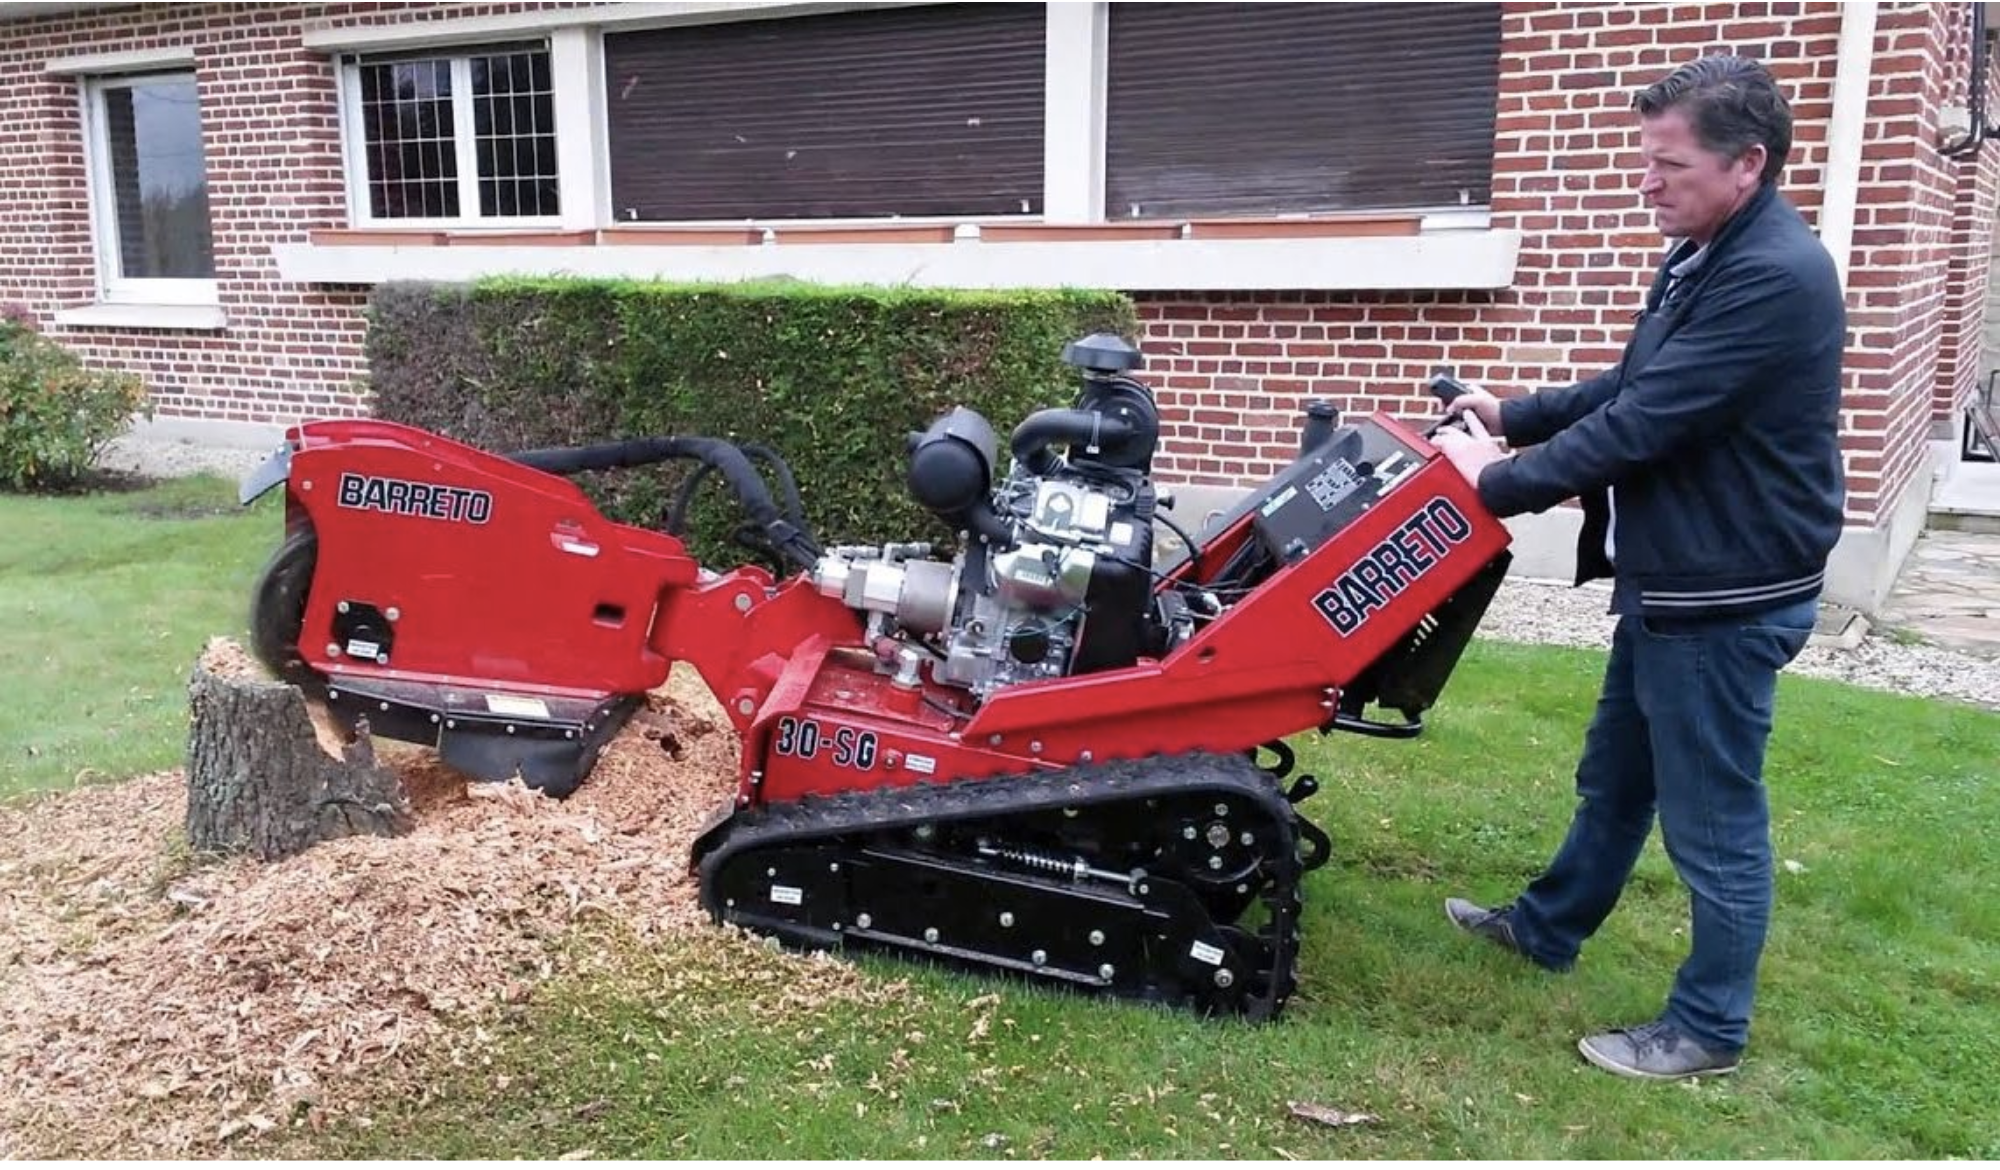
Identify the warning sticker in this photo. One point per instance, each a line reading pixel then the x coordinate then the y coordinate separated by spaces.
pixel 917 763
pixel 788 895
pixel 1202 952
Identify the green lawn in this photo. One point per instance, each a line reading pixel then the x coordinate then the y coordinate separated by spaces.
pixel 105 602
pixel 1877 1033
pixel 1878 1028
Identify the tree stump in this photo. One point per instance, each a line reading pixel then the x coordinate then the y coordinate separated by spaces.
pixel 263 779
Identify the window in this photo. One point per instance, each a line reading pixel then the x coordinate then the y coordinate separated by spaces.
pixel 1262 109
pixel 149 189
pixel 907 111
pixel 458 137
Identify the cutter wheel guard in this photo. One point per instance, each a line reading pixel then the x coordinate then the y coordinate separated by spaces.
pixel 1059 753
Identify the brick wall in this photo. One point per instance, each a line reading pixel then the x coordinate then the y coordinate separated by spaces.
pixel 271 137
pixel 1565 175
pixel 1232 368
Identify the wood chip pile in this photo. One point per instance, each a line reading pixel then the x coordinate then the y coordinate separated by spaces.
pixel 154 1005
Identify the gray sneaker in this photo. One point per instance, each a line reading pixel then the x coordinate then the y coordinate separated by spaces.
pixel 1655 1052
pixel 1491 925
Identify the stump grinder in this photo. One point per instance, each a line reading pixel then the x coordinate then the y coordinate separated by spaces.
pixel 1060 753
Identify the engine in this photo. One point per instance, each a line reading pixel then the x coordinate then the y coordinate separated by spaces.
pixel 1055 577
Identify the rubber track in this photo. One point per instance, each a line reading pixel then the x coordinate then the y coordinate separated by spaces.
pixel 1099 786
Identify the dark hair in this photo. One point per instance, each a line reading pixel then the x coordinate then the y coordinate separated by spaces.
pixel 1733 104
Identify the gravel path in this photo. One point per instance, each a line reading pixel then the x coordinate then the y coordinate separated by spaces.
pixel 1555 614
pixel 1523 611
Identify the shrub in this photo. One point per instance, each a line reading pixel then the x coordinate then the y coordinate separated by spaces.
pixel 833 379
pixel 56 415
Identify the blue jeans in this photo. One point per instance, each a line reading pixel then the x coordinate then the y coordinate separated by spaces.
pixel 1680 727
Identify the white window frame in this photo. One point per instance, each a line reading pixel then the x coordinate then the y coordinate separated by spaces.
pixel 113 287
pixel 354 146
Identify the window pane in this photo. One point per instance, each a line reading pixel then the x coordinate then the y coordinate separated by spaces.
pixel 517 136
pixel 406 123
pixel 158 182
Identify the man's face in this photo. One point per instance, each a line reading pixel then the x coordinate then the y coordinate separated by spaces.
pixel 1692 190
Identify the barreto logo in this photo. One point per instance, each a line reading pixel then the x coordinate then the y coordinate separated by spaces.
pixel 1384 572
pixel 399 497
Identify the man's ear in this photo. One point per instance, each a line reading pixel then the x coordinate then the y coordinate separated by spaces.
pixel 1752 161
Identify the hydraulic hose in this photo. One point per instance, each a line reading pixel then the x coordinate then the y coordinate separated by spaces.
pixel 1037 432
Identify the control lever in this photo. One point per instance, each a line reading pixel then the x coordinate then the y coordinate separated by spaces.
pixel 1449 389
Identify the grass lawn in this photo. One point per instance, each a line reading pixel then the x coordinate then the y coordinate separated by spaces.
pixel 1877 1032
pixel 105 602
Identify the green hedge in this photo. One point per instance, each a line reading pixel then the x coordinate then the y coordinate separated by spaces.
pixel 56 414
pixel 834 379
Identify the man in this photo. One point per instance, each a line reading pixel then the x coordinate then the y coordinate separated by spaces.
pixel 1708 465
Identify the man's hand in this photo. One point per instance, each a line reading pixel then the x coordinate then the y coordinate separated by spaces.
pixel 1481 403
pixel 1469 453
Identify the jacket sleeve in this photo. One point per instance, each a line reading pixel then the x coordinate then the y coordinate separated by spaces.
pixel 1532 418
pixel 1698 382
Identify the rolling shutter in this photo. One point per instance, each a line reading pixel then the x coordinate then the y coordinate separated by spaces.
pixel 1259 109
pixel 925 110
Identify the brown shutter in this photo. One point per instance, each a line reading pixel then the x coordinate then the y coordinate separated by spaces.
pixel 927 110
pixel 1248 109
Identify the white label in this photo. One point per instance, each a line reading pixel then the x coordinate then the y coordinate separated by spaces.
pixel 1121 533
pixel 517 706
pixel 788 895
pixel 1279 500
pixel 917 763
pixel 1207 954
pixel 357 648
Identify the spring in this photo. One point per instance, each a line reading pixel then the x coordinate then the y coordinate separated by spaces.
pixel 1035 860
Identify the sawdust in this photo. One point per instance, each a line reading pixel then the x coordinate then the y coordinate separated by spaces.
pixel 155 1005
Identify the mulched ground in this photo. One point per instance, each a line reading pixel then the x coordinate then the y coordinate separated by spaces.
pixel 156 1005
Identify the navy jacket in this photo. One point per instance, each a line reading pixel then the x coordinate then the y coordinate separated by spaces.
pixel 1719 431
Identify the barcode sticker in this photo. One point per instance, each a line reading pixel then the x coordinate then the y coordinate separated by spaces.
pixel 793 896
pixel 1202 952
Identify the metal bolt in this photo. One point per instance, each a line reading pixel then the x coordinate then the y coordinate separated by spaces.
pixel 863 921
pixel 434 717
pixel 342 607
pixel 745 707
pixel 1224 977
pixel 333 649
pixel 1106 971
pixel 833 867
pixel 1041 958
pixel 930 934
pixel 1035 746
pixel 1006 918
pixel 743 603
pixel 1144 888
pixel 394 614
pixel 510 729
pixel 1242 887
pixel 1188 832
pixel 1221 810
pixel 306 486
pixel 1218 835
pixel 1248 838
pixel 772 872
pixel 1084 757
pixel 1097 938
pixel 729 901
pixel 994 739
pixel 382 659
pixel 385 704
pixel 1215 863
pixel 926 832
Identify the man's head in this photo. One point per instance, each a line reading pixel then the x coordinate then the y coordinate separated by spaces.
pixel 1710 132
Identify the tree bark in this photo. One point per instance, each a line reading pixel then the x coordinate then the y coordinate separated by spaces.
pixel 259 780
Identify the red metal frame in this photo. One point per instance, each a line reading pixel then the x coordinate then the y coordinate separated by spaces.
pixel 544 595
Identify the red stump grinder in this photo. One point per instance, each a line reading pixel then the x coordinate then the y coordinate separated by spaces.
pixel 1056 754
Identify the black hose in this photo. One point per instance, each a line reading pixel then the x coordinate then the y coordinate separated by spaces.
pixel 776 530
pixel 1033 437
